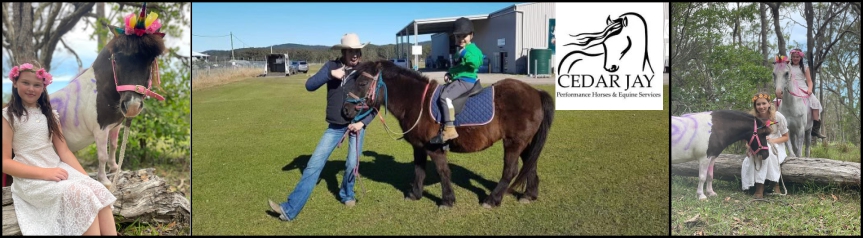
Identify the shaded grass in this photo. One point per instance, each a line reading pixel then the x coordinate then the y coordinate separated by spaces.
pixel 601 172
pixel 806 210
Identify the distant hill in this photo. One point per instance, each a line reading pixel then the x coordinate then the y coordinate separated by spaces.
pixel 311 53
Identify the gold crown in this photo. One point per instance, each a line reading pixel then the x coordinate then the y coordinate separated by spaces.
pixel 761 95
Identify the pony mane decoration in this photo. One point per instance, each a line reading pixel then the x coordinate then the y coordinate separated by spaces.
pixel 781 59
pixel 41 73
pixel 140 25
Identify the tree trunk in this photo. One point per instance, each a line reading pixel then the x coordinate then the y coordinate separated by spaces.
pixel 794 169
pixel 774 9
pixel 762 9
pixel 142 196
pixel 100 14
pixel 23 46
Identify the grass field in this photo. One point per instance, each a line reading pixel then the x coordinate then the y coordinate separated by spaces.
pixel 807 209
pixel 601 172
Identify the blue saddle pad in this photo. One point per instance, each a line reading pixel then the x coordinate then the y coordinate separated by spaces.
pixel 478 110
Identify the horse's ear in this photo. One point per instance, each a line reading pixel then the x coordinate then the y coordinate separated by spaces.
pixel 608 20
pixel 116 31
pixel 379 67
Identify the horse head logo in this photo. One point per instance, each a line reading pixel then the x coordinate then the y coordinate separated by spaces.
pixel 624 44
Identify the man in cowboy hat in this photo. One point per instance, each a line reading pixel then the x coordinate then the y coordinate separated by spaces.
pixel 333 74
pixel 463 74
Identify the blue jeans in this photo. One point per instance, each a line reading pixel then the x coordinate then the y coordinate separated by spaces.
pixel 298 198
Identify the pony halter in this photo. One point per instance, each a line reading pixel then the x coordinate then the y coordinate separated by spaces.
pixel 755 137
pixel 139 88
pixel 362 102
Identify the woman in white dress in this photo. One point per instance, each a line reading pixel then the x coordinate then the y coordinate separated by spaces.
pixel 52 193
pixel 752 175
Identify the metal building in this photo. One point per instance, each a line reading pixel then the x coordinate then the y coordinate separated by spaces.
pixel 504 36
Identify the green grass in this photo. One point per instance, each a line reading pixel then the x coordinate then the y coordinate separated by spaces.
pixel 806 210
pixel 601 172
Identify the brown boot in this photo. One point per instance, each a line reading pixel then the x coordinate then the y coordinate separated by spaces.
pixel 759 190
pixel 449 133
pixel 816 129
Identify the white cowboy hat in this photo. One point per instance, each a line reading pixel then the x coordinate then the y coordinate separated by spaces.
pixel 350 41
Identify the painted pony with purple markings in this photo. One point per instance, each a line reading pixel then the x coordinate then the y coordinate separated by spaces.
pixel 703 136
pixel 91 109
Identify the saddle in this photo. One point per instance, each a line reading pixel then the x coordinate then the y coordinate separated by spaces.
pixel 459 102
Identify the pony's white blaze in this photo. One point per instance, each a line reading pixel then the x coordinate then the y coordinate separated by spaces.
pixel 76 106
pixel 690 135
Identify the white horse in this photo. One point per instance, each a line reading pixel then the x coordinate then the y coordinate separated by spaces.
pixel 794 106
pixel 95 103
pixel 624 44
pixel 702 136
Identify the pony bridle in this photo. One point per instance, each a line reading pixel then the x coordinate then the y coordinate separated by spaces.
pixel 139 88
pixel 361 103
pixel 755 138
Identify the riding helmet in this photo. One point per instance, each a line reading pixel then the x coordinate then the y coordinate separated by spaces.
pixel 463 26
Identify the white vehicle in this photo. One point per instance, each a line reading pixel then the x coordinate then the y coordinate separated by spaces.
pixel 278 65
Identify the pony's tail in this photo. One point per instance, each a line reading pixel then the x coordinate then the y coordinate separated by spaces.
pixel 531 153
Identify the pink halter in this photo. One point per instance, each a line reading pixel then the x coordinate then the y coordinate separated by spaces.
pixel 138 88
pixel 755 137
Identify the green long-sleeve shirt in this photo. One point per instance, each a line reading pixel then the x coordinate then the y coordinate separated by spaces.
pixel 471 59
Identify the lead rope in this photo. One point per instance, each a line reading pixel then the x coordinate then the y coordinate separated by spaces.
pixel 122 154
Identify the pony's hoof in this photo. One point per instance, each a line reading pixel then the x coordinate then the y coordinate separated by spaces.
pixel 444 207
pixel 524 200
pixel 487 206
pixel 109 186
pixel 702 198
pixel 711 194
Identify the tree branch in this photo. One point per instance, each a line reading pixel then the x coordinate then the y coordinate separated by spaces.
pixel 7 22
pixel 152 6
pixel 826 22
pixel 850 108
pixel 66 24
pixel 80 65
pixel 46 29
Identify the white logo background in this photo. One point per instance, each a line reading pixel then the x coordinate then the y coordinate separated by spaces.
pixel 577 18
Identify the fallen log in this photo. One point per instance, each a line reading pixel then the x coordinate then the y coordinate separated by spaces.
pixel 141 196
pixel 794 169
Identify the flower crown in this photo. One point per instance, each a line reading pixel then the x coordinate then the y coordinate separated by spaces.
pixel 761 95
pixel 797 52
pixel 41 73
pixel 140 25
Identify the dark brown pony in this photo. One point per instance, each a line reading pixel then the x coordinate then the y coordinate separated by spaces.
pixel 522 119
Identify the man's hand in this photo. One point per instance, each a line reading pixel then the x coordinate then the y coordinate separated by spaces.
pixel 338 73
pixel 356 127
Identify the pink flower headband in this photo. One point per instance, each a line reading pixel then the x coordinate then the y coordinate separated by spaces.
pixel 16 71
pixel 797 52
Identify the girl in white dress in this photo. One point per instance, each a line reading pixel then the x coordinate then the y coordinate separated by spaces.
pixel 769 168
pixel 51 192
pixel 800 75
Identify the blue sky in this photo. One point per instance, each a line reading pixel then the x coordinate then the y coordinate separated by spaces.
pixel 266 24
